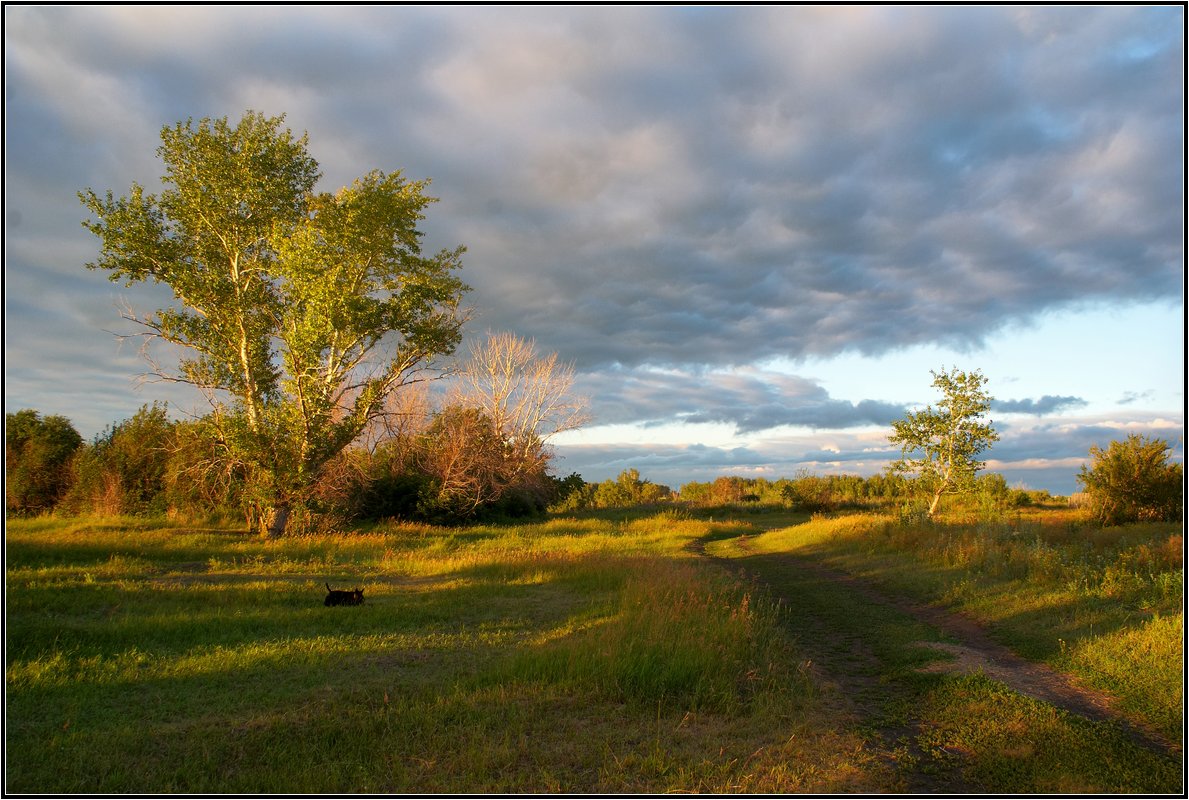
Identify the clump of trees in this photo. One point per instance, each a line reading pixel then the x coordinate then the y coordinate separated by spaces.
pixel 625 491
pixel 127 468
pixel 1133 481
pixel 480 449
pixel 803 492
pixel 130 468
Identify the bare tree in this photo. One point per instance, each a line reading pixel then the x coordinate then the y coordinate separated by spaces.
pixel 527 397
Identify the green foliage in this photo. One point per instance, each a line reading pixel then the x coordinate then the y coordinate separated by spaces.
pixel 199 480
pixel 1132 481
pixel 809 493
pixel 577 497
pixel 301 312
pixel 195 661
pixel 37 454
pixel 628 490
pixel 568 493
pixel 804 492
pixel 124 470
pixel 946 440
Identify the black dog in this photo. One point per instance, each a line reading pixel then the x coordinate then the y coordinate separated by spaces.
pixel 342 597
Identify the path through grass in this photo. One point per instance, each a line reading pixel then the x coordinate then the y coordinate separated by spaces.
pixel 945 730
pixel 581 655
pixel 576 655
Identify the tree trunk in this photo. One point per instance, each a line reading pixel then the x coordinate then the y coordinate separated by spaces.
pixel 273 521
pixel 936 501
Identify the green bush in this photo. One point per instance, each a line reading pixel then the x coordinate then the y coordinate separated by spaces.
pixel 628 490
pixel 37 454
pixel 1132 481
pixel 810 493
pixel 124 470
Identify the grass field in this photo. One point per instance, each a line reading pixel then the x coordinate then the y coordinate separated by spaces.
pixel 1103 604
pixel 604 654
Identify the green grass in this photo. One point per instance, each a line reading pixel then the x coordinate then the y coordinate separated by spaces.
pixel 1103 604
pixel 948 732
pixel 573 655
pixel 1012 744
pixel 595 654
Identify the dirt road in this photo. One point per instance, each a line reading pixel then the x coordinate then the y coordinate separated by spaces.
pixel 862 640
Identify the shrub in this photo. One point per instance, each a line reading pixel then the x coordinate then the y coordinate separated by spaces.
pixel 810 493
pixel 37 455
pixel 1132 481
pixel 124 470
pixel 628 490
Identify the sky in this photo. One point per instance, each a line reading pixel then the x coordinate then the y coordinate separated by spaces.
pixel 753 231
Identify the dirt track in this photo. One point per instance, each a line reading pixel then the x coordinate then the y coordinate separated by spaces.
pixel 977 652
pixel 855 673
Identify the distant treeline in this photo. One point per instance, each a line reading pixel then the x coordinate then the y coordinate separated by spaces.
pixel 452 469
pixel 445 471
pixel 804 492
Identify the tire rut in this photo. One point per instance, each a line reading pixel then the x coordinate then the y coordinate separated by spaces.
pixel 976 651
pixel 845 661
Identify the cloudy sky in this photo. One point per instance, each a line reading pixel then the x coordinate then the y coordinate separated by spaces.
pixel 754 231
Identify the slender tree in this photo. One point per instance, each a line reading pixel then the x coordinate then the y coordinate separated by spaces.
pixel 941 445
pixel 300 312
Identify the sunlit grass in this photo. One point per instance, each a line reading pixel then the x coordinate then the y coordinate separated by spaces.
pixel 583 654
pixel 1013 744
pixel 675 638
pixel 580 654
pixel 1105 604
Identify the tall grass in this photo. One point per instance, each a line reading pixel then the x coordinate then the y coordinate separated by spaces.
pixel 581 655
pixel 1103 603
pixel 679 638
pixel 596 654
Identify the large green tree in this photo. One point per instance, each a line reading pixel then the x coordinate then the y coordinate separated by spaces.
pixel 940 446
pixel 299 311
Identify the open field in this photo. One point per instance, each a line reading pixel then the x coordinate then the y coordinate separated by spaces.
pixel 642 652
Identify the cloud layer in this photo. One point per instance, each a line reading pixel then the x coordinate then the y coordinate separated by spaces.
pixel 1045 455
pixel 747 398
pixel 668 197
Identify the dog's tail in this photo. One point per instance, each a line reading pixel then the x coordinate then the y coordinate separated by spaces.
pixel 328 588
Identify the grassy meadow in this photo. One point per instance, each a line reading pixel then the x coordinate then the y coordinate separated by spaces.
pixel 607 653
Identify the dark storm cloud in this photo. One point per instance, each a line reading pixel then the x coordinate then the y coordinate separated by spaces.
pixel 863 196
pixel 653 187
pixel 749 399
pixel 1049 404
